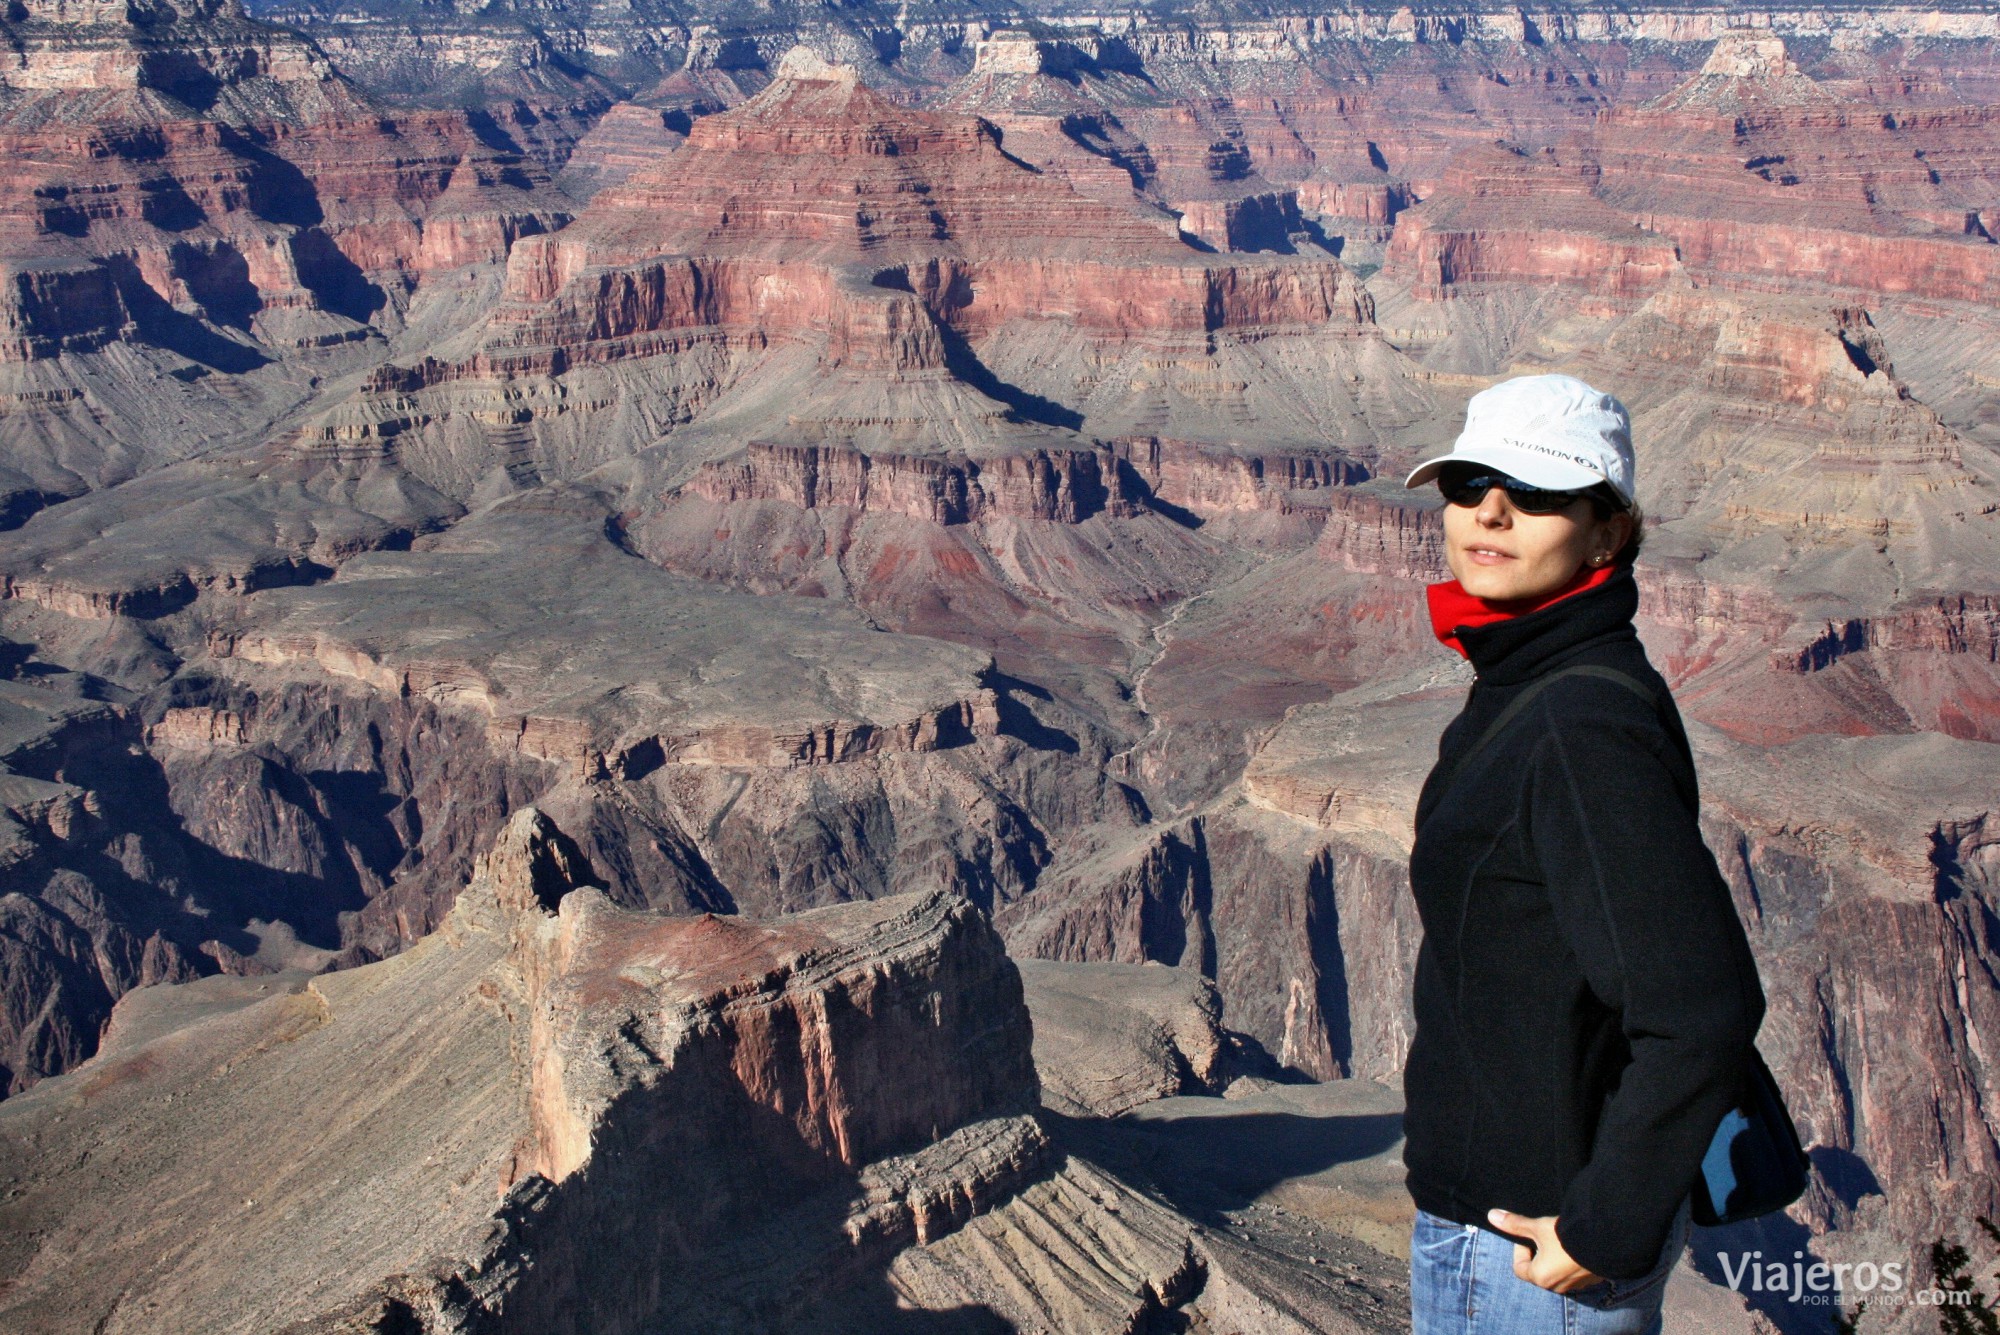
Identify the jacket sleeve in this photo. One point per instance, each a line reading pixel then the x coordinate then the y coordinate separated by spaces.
pixel 1639 898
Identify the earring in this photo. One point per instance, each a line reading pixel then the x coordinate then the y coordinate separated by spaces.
pixel 1599 559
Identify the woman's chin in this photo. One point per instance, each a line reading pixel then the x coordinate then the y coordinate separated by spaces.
pixel 1509 581
pixel 1495 586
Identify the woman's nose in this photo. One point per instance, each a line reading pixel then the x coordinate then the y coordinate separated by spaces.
pixel 1493 508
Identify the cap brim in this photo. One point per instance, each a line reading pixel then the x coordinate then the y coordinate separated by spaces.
pixel 1537 470
pixel 1427 470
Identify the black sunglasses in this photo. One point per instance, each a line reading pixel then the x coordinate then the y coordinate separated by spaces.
pixel 1463 485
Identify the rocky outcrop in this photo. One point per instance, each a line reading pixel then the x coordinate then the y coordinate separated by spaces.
pixel 1505 217
pixel 576 1057
pixel 1208 481
pixel 73 798
pixel 1219 897
pixel 1055 488
pixel 210 829
pixel 1109 1037
pixel 1385 534
pixel 1264 221
pixel 1369 203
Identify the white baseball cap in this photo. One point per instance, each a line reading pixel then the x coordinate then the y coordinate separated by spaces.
pixel 1549 431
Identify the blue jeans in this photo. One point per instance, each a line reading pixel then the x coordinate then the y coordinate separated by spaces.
pixel 1462 1282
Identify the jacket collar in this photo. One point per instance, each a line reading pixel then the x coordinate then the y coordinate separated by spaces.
pixel 1519 647
pixel 1453 609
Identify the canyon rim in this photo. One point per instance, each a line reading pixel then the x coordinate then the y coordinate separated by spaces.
pixel 762 667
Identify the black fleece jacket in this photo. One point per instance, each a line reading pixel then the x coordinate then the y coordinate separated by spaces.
pixel 1585 996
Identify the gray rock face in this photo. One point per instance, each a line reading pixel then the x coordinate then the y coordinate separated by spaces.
pixel 1109 1037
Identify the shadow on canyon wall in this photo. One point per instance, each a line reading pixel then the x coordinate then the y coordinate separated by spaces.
pixel 1205 1165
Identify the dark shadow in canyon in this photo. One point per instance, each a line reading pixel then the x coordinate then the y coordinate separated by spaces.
pixel 1176 913
pixel 177 332
pixel 963 362
pixel 1844 1173
pixel 278 191
pixel 219 279
pixel 19 506
pixel 1323 930
pixel 1133 483
pixel 1018 720
pixel 489 132
pixel 1777 1236
pixel 704 1208
pixel 1206 1165
pixel 336 282
pixel 164 204
pixel 182 75
pixel 358 806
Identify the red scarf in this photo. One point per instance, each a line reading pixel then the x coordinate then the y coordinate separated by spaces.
pixel 1454 610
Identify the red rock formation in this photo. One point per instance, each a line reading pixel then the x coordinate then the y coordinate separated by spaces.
pixel 625 138
pixel 1395 536
pixel 207 193
pixel 1267 220
pixel 1056 488
pixel 1750 172
pixel 1209 481
pixel 1371 203
pixel 748 224
pixel 806 1023
pixel 285 189
pixel 1506 218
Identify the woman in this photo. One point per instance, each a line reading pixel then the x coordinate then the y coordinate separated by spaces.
pixel 1585 997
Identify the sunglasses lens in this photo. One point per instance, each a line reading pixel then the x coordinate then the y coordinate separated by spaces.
pixel 1535 501
pixel 1464 487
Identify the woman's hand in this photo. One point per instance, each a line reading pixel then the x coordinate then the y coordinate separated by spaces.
pixel 1547 1266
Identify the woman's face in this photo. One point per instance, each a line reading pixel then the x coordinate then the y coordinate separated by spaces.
pixel 1503 554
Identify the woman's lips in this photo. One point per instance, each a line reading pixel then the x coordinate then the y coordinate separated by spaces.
pixel 1486 556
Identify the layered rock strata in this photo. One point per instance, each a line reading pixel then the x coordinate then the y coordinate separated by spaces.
pixel 1752 174
pixel 742 261
pixel 554 1114
pixel 194 199
pixel 514 1086
pixel 1110 1037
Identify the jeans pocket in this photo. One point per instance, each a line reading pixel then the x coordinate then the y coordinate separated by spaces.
pixel 1610 1293
pixel 1439 1240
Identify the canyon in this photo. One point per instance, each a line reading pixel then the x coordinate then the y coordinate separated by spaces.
pixel 818 606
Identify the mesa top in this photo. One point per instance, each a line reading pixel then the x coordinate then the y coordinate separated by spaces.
pixel 1585 995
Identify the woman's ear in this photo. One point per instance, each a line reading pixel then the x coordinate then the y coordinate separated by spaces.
pixel 1613 532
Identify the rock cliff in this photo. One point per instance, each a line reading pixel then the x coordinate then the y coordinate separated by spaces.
pixel 194 203
pixel 556 1114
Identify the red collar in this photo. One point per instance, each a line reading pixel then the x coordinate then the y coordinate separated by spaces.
pixel 1454 610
